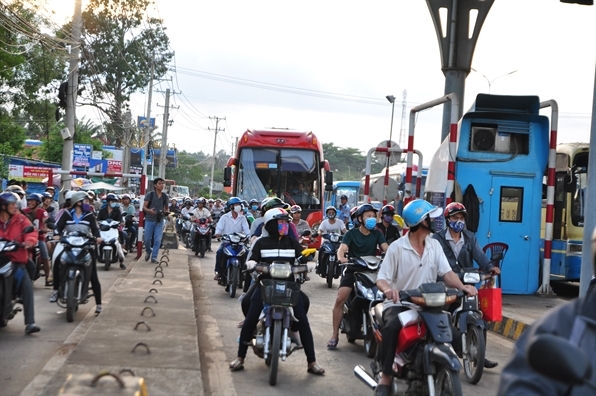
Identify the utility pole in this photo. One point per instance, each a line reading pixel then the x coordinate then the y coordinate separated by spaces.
pixel 147 134
pixel 234 147
pixel 402 128
pixel 214 146
pixel 71 98
pixel 164 138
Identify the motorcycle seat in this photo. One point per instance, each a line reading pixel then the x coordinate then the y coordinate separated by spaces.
pixel 379 315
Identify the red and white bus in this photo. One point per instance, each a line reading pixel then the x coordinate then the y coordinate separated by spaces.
pixel 285 163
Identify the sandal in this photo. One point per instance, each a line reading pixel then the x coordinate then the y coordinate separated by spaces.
pixel 236 365
pixel 317 369
pixel 332 344
pixel 240 324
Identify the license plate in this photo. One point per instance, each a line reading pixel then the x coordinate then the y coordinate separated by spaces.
pixel 331 258
pixel 280 287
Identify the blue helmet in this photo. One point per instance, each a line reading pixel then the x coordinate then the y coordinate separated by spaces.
pixel 416 211
pixel 234 201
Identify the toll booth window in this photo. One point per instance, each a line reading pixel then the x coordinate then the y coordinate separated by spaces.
pixel 511 204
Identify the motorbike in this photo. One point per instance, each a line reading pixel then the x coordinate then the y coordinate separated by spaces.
pixel 107 251
pixel 472 328
pixel 185 227
pixel 74 255
pixel 9 297
pixel 131 226
pixel 234 252
pixel 424 358
pixel 202 237
pixel 355 322
pixel 329 267
pixel 271 339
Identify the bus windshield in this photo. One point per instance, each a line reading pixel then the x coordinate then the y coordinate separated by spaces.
pixel 579 198
pixel 291 174
pixel 350 191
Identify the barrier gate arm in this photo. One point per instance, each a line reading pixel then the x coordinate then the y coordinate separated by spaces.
pixel 550 197
pixel 452 143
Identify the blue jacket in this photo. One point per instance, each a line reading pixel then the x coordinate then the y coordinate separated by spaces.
pixel 469 253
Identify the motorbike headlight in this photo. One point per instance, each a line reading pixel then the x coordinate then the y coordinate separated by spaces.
pixel 334 238
pixel 380 295
pixel 471 278
pixel 280 270
pixel 366 292
pixel 434 299
pixel 234 238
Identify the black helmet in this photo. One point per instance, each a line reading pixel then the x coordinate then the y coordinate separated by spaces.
pixel 388 210
pixel 274 202
pixel 366 208
pixel 111 197
pixel 344 196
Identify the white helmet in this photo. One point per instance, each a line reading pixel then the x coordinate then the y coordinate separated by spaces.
pixel 276 214
pixel 69 194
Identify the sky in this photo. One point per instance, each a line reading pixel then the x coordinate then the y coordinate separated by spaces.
pixel 329 64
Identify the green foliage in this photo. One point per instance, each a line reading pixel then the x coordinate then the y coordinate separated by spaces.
pixel 348 163
pixel 12 136
pixel 120 42
pixel 51 150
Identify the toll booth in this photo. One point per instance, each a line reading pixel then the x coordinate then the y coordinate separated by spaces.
pixel 502 151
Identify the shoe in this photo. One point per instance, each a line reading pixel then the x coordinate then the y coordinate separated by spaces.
pixel 382 390
pixel 153 261
pixel 147 256
pixel 490 364
pixel 332 344
pixel 240 324
pixel 216 277
pixel 236 365
pixel 54 296
pixel 122 266
pixel 98 309
pixel 31 328
pixel 49 282
pixel 317 369
pixel 227 288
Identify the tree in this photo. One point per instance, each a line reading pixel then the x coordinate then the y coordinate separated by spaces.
pixel 120 44
pixel 348 163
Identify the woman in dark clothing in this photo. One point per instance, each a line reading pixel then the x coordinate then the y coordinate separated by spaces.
pixel 79 218
pixel 277 246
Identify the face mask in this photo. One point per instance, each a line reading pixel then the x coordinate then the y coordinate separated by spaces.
pixel 114 204
pixel 331 216
pixel 283 228
pixel 254 207
pixel 457 226
pixel 86 207
pixel 370 223
pixel 245 210
pixel 237 208
pixel 388 219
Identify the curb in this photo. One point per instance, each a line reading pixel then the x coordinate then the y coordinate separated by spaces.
pixel 508 328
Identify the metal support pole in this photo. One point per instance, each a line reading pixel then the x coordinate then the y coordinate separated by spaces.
pixel 164 138
pixel 214 147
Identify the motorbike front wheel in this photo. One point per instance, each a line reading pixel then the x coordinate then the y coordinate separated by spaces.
pixel 71 299
pixel 275 348
pixel 187 240
pixel 447 382
pixel 233 281
pixel 202 247
pixel 330 273
pixel 107 260
pixel 474 359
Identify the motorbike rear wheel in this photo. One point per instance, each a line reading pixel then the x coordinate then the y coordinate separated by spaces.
pixel 447 382
pixel 370 343
pixel 474 359
pixel 330 273
pixel 233 281
pixel 71 299
pixel 186 240
pixel 275 348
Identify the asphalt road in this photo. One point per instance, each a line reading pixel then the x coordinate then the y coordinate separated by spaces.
pixel 218 316
pixel 22 356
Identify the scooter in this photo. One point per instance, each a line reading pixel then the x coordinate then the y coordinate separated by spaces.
pixel 355 322
pixel 131 227
pixel 202 237
pixel 185 227
pixel 329 267
pixel 271 340
pixel 424 358
pixel 234 251
pixel 75 255
pixel 9 297
pixel 107 251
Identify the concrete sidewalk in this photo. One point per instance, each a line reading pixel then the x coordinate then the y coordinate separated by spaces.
pixel 520 311
pixel 172 367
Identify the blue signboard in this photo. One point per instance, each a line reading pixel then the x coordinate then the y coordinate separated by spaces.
pixel 142 122
pixel 81 154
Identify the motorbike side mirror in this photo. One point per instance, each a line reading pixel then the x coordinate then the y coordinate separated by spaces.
pixel 305 233
pixel 572 366
pixel 28 229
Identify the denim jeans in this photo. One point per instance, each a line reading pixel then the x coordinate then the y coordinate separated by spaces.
pixel 153 230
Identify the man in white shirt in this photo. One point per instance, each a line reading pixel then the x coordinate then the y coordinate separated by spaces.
pixel 410 262
pixel 200 212
pixel 233 221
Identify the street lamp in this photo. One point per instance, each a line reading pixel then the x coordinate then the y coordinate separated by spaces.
pixel 490 82
pixel 391 100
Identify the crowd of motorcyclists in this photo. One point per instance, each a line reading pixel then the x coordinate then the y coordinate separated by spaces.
pixel 275 231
